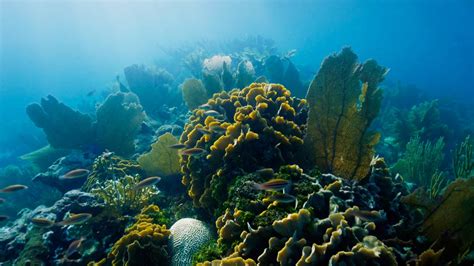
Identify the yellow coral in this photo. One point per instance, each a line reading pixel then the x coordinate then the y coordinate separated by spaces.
pixel 341 111
pixel 161 160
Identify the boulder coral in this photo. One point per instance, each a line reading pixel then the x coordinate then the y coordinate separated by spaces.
pixel 260 126
pixel 343 100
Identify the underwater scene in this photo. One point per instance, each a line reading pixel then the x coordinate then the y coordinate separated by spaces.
pixel 181 133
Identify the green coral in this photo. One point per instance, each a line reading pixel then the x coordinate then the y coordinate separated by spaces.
pixel 421 162
pixel 259 126
pixel 118 120
pixel 121 194
pixel 463 162
pixel 194 93
pixel 343 99
pixel 161 160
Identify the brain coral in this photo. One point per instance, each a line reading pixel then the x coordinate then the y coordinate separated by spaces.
pixel 187 236
pixel 260 126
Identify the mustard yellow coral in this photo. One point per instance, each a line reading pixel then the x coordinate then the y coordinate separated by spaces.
pixel 144 243
pixel 161 160
pixel 260 126
pixel 343 99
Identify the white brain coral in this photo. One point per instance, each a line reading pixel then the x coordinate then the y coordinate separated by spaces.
pixel 187 236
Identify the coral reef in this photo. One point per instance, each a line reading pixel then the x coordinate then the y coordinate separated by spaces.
pixel 144 243
pixel 463 162
pixel 194 93
pixel 42 158
pixel 118 121
pixel 187 236
pixel 153 87
pixel 110 167
pixel 259 126
pixel 52 176
pixel 340 113
pixel 421 161
pixel 161 160
pixel 121 195
pixel 336 221
pixel 64 127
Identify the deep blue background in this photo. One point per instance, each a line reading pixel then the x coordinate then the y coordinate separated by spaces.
pixel 67 48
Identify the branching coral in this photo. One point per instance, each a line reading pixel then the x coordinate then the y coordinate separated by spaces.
pixel 64 127
pixel 118 120
pixel 421 162
pixel 121 194
pixel 161 160
pixel 257 127
pixel 110 167
pixel 144 243
pixel 340 113
pixel 463 162
pixel 194 93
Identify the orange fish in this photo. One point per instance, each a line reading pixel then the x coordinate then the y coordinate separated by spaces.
pixel 76 173
pixel 42 222
pixel 13 188
pixel 273 184
pixel 76 219
pixel 150 181
pixel 74 247
pixel 177 146
pixel 193 151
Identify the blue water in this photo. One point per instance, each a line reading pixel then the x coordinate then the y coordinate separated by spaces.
pixel 68 48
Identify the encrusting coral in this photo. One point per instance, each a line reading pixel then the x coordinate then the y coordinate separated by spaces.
pixel 259 126
pixel 64 127
pixel 161 160
pixel 337 221
pixel 118 120
pixel 343 100
pixel 144 243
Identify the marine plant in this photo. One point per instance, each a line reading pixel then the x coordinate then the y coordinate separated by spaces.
pixel 421 163
pixel 343 100
pixel 161 160
pixel 64 127
pixel 144 243
pixel 259 126
pixel 118 120
pixel 122 195
pixel 463 162
pixel 194 93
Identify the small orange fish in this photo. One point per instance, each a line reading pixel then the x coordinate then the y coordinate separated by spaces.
pixel 273 185
pixel 177 146
pixel 76 173
pixel 13 188
pixel 42 222
pixel 212 113
pixel 150 181
pixel 74 247
pixel 76 219
pixel 193 151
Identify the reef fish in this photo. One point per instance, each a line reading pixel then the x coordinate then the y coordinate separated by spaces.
pixel 2 200
pixel 76 219
pixel 205 106
pixel 273 184
pixel 42 222
pixel 217 129
pixel 76 173
pixel 212 113
pixel 193 151
pixel 3 218
pixel 177 146
pixel 204 131
pixel 13 188
pixel 266 172
pixel 370 216
pixel 281 198
pixel 150 181
pixel 74 247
